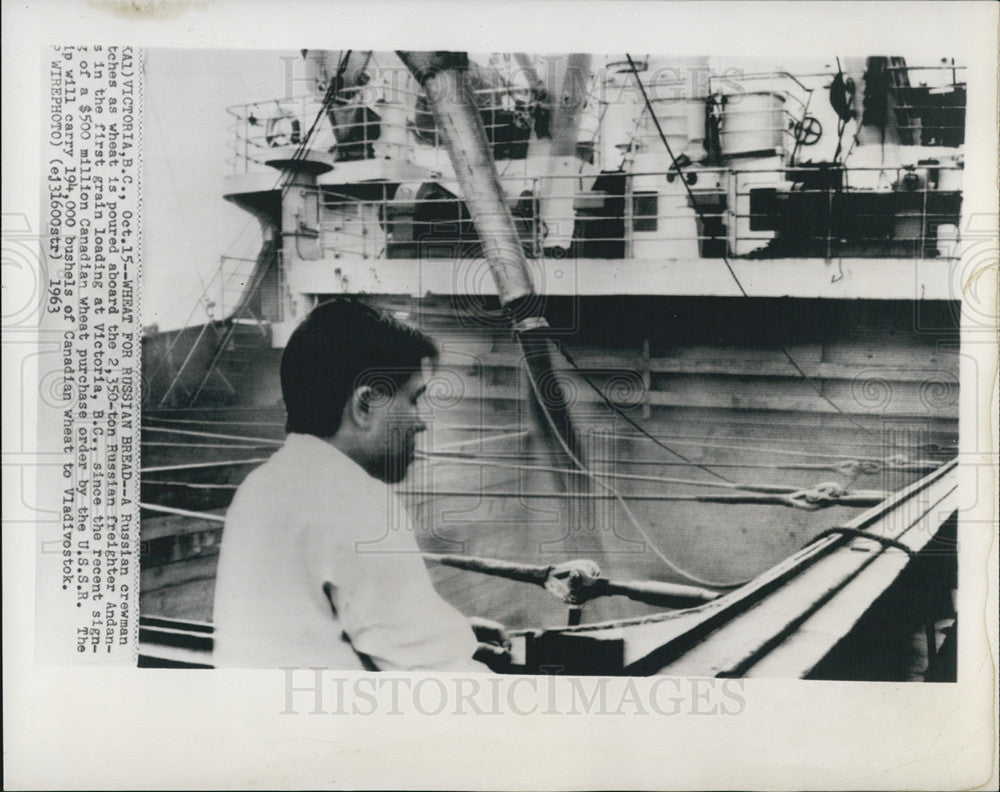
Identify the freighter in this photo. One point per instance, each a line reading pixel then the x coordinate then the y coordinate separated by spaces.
pixel 699 356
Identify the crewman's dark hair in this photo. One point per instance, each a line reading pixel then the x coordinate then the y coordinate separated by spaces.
pixel 340 346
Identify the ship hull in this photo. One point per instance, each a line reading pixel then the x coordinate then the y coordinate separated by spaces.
pixel 787 392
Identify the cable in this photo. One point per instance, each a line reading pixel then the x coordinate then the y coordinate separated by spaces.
pixel 331 91
pixel 200 465
pixel 628 419
pixel 212 435
pixel 746 426
pixel 285 180
pixel 218 423
pixel 841 128
pixel 157 444
pixel 777 488
pixel 848 466
pixel 617 496
pixel 725 259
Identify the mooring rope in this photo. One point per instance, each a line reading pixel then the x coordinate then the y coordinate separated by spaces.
pixel 212 435
pixel 749 445
pixel 862 533
pixel 744 425
pixel 806 499
pixel 200 465
pixel 847 467
pixel 617 496
pixel 773 488
pixel 575 582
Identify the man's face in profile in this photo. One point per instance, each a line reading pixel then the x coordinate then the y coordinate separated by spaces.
pixel 396 420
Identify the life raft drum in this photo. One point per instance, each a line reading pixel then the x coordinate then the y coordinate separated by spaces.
pixel 678 90
pixel 752 129
pixel 752 124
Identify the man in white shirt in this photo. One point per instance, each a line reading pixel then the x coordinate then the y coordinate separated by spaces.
pixel 319 566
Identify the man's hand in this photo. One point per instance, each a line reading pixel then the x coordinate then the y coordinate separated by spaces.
pixel 494 643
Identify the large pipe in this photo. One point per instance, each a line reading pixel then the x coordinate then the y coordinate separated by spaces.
pixel 443 77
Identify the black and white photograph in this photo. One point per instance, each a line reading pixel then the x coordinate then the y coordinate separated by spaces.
pixel 650 362
pixel 400 364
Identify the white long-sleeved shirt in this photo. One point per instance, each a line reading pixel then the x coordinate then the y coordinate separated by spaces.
pixel 319 564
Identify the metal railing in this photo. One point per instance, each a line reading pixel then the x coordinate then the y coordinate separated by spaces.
pixel 355 128
pixel 800 211
pixel 234 275
pixel 753 111
pixel 363 124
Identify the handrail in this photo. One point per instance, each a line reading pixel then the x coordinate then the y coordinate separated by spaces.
pixel 507 98
pixel 911 212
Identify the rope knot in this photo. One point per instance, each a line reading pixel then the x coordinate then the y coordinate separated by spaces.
pixel 855 467
pixel 849 467
pixel 825 493
pixel 827 489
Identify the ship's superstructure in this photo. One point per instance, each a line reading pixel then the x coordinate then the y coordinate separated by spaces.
pixel 842 185
pixel 748 265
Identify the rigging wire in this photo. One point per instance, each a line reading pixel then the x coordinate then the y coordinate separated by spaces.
pixel 211 422
pixel 932 447
pixel 287 176
pixel 739 284
pixel 213 435
pixel 628 419
pixel 749 487
pixel 285 179
pixel 617 496
pixel 841 120
pixel 846 465
pixel 157 444
pixel 202 465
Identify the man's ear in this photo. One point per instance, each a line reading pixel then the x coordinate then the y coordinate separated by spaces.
pixel 358 407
